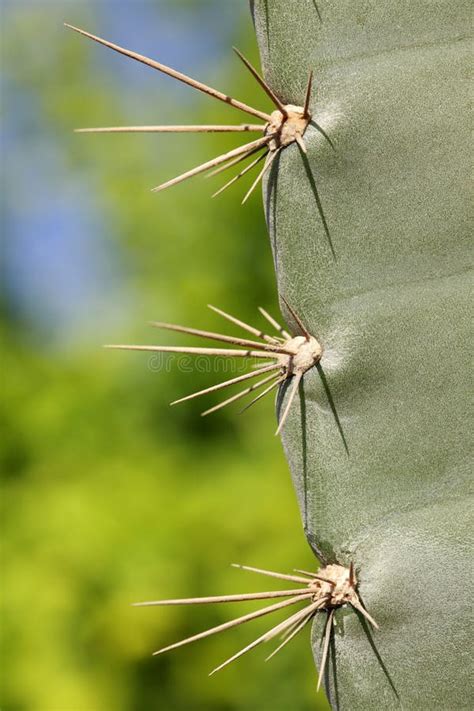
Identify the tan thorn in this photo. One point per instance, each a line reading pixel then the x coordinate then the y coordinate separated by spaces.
pixel 211 163
pixel 297 628
pixel 268 162
pixel 242 324
pixel 294 389
pixel 225 384
pixel 261 395
pixel 239 395
pixel 272 573
pixel 307 99
pixel 240 175
pixel 327 638
pixel 269 635
pixel 193 351
pixel 233 162
pixel 172 129
pixel 221 337
pixel 266 88
pixel 213 599
pixel 232 623
pixel 274 323
pixel 174 73
pixel 300 141
pixel 364 613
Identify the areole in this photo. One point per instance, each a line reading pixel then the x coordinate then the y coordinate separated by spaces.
pixel 332 587
pixel 286 125
pixel 284 356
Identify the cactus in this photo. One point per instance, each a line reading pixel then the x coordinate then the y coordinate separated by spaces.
pixel 366 211
pixel 370 240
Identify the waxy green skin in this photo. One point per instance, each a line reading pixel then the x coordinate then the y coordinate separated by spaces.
pixel 389 302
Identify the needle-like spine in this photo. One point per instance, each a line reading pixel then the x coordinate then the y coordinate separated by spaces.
pixel 173 73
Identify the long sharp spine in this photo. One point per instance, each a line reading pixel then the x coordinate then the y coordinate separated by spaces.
pixel 174 73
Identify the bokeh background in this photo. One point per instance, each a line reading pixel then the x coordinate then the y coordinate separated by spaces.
pixel 108 495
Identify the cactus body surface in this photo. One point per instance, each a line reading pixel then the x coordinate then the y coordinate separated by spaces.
pixel 371 243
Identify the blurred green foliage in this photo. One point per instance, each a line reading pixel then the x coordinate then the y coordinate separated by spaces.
pixel 108 495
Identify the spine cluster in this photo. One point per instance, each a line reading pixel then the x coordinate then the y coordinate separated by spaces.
pixel 281 357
